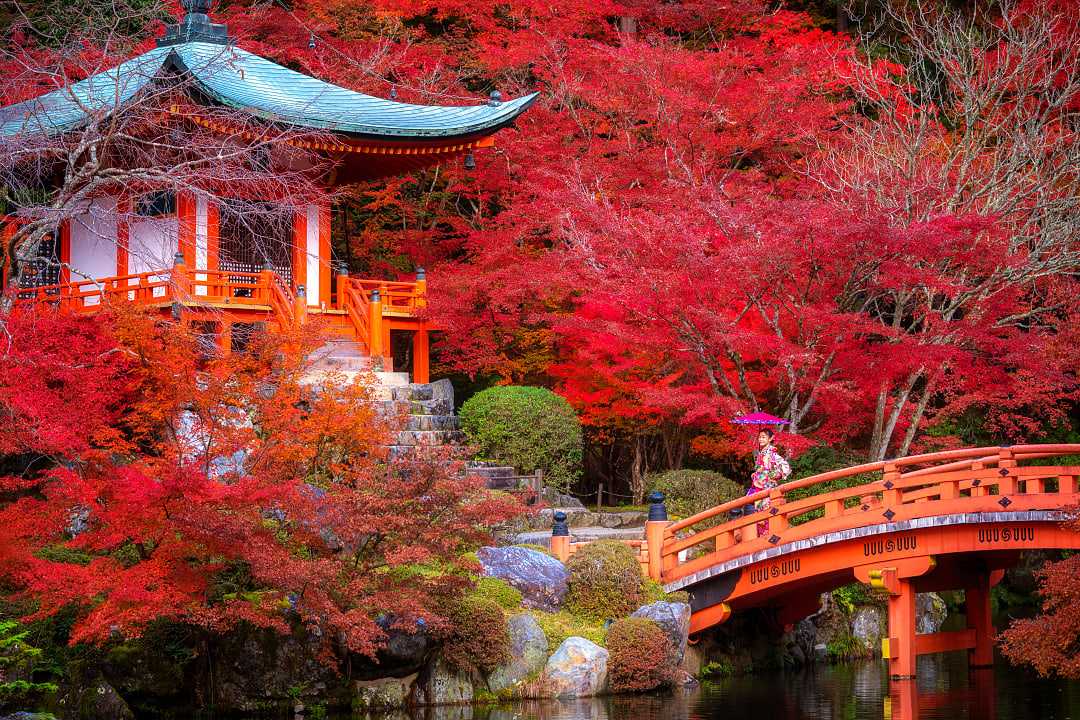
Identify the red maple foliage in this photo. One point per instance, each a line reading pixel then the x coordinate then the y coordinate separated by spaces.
pixel 215 492
pixel 1050 641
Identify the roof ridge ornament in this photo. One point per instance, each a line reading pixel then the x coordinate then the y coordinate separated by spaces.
pixel 196 27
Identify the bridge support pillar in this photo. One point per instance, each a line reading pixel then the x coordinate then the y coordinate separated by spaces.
pixel 977 606
pixel 899 647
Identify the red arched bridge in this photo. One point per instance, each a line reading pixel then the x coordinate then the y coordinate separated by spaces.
pixel 946 520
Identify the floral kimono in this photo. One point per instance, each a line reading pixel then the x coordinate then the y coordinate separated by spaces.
pixel 770 469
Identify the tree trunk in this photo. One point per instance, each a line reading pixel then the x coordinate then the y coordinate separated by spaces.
pixel 916 417
pixel 637 472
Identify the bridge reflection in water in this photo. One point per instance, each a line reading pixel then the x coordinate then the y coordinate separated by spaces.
pixel 947 689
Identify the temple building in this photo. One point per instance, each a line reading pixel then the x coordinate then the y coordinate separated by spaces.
pixel 192 251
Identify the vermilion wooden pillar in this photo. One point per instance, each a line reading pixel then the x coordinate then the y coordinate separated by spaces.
pixel 123 233
pixel 213 235
pixel 421 356
pixel 299 258
pixel 977 605
pixel 899 647
pixel 185 216
pixel 65 252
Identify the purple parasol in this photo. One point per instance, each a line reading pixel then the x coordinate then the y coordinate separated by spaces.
pixel 758 418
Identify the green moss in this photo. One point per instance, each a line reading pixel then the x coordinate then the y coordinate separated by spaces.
pixel 715 669
pixel 561 625
pixel 846 647
pixel 850 597
pixel 654 592
pixel 61 554
pixel 498 591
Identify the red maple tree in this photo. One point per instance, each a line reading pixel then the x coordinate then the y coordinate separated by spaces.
pixel 160 485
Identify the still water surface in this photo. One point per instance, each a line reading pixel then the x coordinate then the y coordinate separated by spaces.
pixel 946 689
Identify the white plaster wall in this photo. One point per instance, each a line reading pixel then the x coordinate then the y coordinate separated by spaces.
pixel 152 244
pixel 93 241
pixel 313 259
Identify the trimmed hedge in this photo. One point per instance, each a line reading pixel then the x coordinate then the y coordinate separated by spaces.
pixel 640 656
pixel 688 492
pixel 605 581
pixel 479 639
pixel 530 428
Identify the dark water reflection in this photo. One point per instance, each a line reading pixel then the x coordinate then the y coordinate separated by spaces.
pixel 946 690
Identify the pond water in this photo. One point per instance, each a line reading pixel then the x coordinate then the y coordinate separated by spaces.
pixel 947 690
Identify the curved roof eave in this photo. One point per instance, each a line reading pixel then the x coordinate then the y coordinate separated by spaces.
pixel 67 108
pixel 244 81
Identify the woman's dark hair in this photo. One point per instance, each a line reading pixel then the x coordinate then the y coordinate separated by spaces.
pixel 769 432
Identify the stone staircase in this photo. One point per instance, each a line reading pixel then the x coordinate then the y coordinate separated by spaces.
pixel 428 409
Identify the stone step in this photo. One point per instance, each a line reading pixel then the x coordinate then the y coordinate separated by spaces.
pixel 429 438
pixel 435 406
pixel 433 422
pixel 413 392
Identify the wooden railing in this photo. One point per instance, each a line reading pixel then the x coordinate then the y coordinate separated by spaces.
pixel 89 295
pixel 958 481
pixel 357 309
pixel 364 302
pixel 398 298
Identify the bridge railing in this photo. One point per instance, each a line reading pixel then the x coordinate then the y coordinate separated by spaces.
pixel 970 480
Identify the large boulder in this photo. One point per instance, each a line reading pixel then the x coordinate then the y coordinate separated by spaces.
pixel 441 684
pixel 540 578
pixel 869 625
pixel 673 618
pixel 577 669
pixel 96 700
pixel 930 612
pixel 528 653
pixel 405 651
pixel 383 694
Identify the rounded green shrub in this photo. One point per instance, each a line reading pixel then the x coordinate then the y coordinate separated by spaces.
pixel 479 639
pixel 605 581
pixel 640 656
pixel 530 428
pixel 688 492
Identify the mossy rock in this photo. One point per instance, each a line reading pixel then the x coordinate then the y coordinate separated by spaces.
pixel 561 625
pixel 498 591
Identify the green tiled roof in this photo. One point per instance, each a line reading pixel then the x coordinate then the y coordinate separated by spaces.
pixel 244 81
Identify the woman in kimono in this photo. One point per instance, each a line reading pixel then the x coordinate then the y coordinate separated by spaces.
pixel 770 470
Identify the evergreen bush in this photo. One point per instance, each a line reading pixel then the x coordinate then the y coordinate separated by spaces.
pixel 530 428
pixel 479 639
pixel 605 581
pixel 688 492
pixel 640 655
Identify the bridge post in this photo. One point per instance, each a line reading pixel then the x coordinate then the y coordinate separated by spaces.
pixel 560 537
pixel 899 647
pixel 977 608
pixel 654 534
